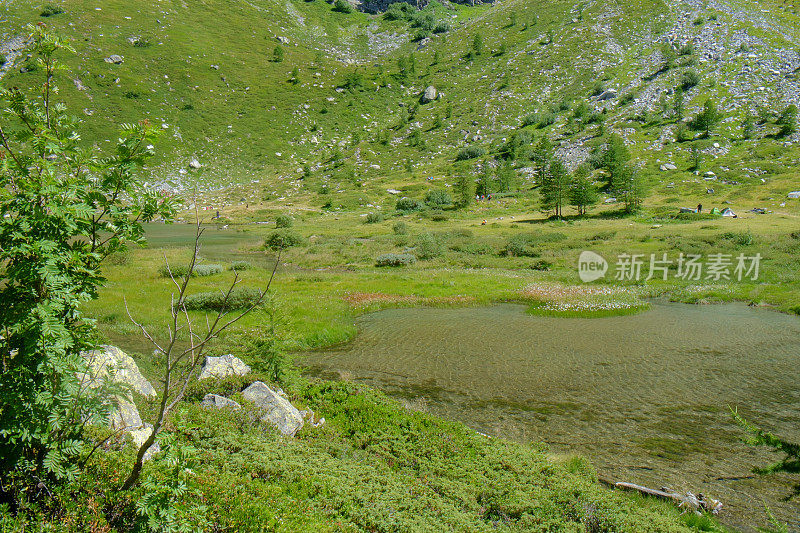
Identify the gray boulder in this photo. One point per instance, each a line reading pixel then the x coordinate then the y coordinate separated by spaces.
pixel 273 408
pixel 608 94
pixel 430 94
pixel 668 166
pixel 109 365
pixel 223 366
pixel 215 401
pixel 116 59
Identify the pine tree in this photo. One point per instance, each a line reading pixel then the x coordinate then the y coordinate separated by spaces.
pixel 465 190
pixel 614 158
pixel 555 187
pixel 583 193
pixel 477 44
pixel 707 119
pixel 506 176
pixel 277 54
pixel 678 107
pixel 788 121
pixel 542 154
pixel 628 186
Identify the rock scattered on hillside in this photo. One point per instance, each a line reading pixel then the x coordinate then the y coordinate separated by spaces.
pixel 273 408
pixel 115 59
pixel 430 94
pixel 223 366
pixel 215 401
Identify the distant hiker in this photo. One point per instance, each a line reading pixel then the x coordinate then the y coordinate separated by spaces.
pixel 217 214
pixel 483 223
pixel 699 208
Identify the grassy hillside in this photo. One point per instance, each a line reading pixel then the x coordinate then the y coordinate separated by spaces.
pixel 351 125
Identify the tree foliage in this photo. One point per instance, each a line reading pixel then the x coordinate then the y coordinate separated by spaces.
pixel 64 209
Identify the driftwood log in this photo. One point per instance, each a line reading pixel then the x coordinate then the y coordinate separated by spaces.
pixel 687 501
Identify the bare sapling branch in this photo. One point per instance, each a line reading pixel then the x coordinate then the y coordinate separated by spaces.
pixel 181 364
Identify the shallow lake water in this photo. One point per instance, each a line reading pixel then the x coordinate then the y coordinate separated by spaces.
pixel 645 397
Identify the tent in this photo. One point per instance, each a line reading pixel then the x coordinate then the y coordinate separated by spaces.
pixel 728 213
pixel 714 211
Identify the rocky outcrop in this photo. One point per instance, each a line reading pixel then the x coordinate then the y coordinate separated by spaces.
pixel 108 365
pixel 109 362
pixel 215 401
pixel 273 408
pixel 223 366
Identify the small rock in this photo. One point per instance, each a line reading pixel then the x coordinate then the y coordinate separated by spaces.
pixel 608 94
pixel 115 59
pixel 274 409
pixel 223 366
pixel 195 164
pixel 429 95
pixel 215 401
pixel 668 166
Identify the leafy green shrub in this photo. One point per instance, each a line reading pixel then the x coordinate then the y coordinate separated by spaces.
pixel 342 6
pixel 238 266
pixel 373 218
pixel 408 204
pixel 284 221
pixel 399 11
pixel 171 499
pixel 282 239
pixel 603 236
pixel 738 238
pixel 690 79
pixel 541 265
pixel 400 228
pixel 50 10
pixel 526 244
pixel 3 59
pixel 470 152
pixel 206 270
pixel 395 260
pixel 427 247
pixel 439 217
pixel 216 301
pixel 438 198
pixel 179 271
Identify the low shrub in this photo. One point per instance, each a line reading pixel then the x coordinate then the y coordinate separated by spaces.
pixel 241 265
pixel 408 204
pixel 282 239
pixel 395 260
pixel 206 270
pixel 284 221
pixel 342 6
pixel 438 198
pixel 179 271
pixel 50 10
pixel 439 217
pixel 427 247
pixel 738 238
pixel 470 152
pixel 373 218
pixel 527 244
pixel 216 301
pixel 400 228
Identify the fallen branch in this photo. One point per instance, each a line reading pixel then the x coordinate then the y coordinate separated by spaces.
pixel 686 501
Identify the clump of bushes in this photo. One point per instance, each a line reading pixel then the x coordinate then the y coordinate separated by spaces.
pixel 470 152
pixel 439 216
pixel 690 79
pixel 373 218
pixel 282 239
pixel 738 238
pixel 284 221
pixel 179 271
pixel 342 6
pixel 50 10
pixel 527 244
pixel 238 266
pixel 400 228
pixel 427 247
pixel 216 300
pixel 438 198
pixel 408 204
pixel 395 260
